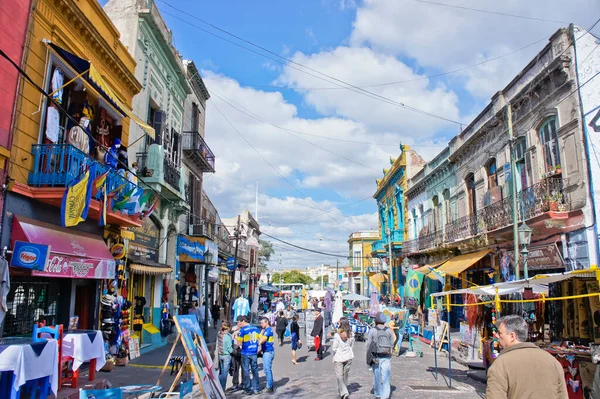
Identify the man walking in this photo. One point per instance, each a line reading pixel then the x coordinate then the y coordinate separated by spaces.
pixel 522 370
pixel 268 351
pixel 379 355
pixel 317 333
pixel 248 338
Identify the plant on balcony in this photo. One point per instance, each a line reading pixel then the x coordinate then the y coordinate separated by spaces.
pixel 555 200
pixel 555 170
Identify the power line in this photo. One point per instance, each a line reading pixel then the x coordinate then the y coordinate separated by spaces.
pixel 269 163
pixel 425 77
pixel 293 134
pixel 490 12
pixel 291 63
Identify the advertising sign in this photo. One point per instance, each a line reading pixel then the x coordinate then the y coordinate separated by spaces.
pixel 192 249
pixel 230 265
pixel 118 251
pixel 144 245
pixel 71 267
pixel 540 258
pixel 30 256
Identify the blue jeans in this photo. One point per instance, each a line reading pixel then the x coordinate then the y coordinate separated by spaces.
pixel 268 367
pixel 381 377
pixel 224 365
pixel 250 363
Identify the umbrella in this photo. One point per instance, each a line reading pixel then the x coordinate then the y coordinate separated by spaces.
pixel 355 297
pixel 338 312
pixel 374 308
pixel 268 288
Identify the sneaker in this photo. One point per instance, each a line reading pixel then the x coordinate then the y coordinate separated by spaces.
pixel 248 392
pixel 318 358
pixel 269 390
pixel 258 392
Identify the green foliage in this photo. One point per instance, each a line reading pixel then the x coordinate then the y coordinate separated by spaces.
pixel 264 255
pixel 293 276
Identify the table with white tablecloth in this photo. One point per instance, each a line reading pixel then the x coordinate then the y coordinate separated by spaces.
pixel 84 346
pixel 30 360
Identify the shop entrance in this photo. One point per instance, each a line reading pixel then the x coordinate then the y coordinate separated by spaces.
pixel 84 295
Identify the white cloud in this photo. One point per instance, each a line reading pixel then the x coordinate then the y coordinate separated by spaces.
pixel 446 38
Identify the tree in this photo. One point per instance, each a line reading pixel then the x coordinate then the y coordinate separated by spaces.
pixel 264 255
pixel 292 276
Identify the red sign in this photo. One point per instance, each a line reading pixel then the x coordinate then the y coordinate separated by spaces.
pixel 118 251
pixel 70 267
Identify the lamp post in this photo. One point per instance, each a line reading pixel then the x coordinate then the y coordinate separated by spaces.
pixel 525 240
pixel 268 278
pixel 207 261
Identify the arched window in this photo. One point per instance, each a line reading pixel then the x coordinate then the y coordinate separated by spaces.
pixel 436 213
pixel 422 218
pixel 471 194
pixel 491 173
pixel 549 139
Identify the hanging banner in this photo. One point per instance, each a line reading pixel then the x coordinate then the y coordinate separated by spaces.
pixel 192 249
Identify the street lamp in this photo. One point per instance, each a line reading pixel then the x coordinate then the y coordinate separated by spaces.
pixel 525 240
pixel 208 256
pixel 268 278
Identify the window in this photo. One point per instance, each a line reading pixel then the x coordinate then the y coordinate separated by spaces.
pixel 491 173
pixel 447 211
pixel 549 140
pixel 471 194
pixel 436 213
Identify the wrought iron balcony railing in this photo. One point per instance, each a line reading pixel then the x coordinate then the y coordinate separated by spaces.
pixel 547 195
pixel 172 175
pixel 195 148
pixel 378 245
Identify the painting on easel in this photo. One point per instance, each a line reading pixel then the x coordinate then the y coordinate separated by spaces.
pixel 198 356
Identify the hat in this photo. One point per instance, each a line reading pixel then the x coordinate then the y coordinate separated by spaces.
pixel 380 318
pixel 317 309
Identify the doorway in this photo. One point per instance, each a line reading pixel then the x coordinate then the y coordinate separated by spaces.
pixel 84 298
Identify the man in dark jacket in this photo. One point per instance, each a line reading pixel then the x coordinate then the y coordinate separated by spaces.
pixel 317 331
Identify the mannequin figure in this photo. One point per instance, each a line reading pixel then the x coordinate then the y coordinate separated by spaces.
pixel 103 131
pixel 110 158
pixel 78 137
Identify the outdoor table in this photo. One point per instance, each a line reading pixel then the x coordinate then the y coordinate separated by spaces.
pixel 28 360
pixel 137 390
pixel 85 346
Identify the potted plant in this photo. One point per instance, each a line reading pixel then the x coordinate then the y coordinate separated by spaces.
pixel 554 201
pixel 557 170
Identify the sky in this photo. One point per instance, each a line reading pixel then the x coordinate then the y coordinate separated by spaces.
pixel 313 97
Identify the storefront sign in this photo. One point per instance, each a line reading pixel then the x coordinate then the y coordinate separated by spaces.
pixel 118 251
pixel 213 274
pixel 70 267
pixel 145 244
pixel 192 249
pixel 29 256
pixel 541 258
pixel 230 263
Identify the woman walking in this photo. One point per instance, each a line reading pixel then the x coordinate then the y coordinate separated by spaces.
pixel 225 347
pixel 295 330
pixel 342 357
pixel 281 324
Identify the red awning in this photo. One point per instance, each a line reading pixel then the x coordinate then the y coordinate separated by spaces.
pixel 72 253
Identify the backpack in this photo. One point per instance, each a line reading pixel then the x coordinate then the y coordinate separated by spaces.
pixel 385 344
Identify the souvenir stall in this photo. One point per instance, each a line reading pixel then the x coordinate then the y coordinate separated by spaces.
pixel 561 309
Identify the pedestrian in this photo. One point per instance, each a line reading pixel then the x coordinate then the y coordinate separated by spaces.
pixel 225 348
pixel 236 359
pixel 202 316
pixel 342 357
pixel 281 325
pixel 248 338
pixel 317 333
pixel 268 351
pixel 195 311
pixel 216 313
pixel 295 330
pixel 522 370
pixel 280 306
pixel 379 355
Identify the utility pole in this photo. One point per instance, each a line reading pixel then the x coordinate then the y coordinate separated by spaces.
pixel 236 234
pixel 337 273
pixel 513 173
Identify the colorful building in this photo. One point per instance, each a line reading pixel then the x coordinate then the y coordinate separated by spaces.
pixel 392 218
pixel 72 52
pixel 362 263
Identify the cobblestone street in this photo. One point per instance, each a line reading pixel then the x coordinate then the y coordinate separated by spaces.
pixel 411 377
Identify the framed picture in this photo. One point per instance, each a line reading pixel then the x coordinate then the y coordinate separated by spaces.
pixel 73 322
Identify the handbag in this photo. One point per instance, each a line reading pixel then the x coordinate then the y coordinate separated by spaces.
pixel 317 342
pixel 299 344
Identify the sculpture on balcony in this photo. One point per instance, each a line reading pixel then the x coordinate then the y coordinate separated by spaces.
pixel 111 157
pixel 78 135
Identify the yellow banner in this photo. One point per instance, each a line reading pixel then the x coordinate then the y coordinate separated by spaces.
pixel 75 202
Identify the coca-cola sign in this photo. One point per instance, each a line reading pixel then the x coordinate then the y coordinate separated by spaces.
pixel 71 267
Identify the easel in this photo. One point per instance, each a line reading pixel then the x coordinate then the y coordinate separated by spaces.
pixel 184 366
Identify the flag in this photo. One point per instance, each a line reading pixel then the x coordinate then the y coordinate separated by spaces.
pixel 130 203
pixel 414 280
pixel 440 275
pixel 99 188
pixel 76 200
pixel 143 203
pixel 150 210
pixel 122 199
pixel 98 185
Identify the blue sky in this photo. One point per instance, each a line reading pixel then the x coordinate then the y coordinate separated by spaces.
pixel 361 42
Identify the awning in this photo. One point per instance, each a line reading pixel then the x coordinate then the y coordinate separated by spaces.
pixel 91 76
pixel 73 254
pixel 458 264
pixel 378 278
pixel 427 268
pixel 150 268
pixel 538 283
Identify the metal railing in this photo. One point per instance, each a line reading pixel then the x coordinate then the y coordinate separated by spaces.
pixel 546 195
pixel 171 174
pixel 194 145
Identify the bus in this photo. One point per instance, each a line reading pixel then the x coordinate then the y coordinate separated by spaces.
pixel 292 289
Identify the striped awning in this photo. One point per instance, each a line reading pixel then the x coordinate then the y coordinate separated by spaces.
pixel 150 269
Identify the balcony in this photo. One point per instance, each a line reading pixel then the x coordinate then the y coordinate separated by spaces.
pixel 197 152
pixel 157 171
pixel 397 236
pixel 55 166
pixel 547 196
pixel 379 246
